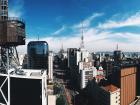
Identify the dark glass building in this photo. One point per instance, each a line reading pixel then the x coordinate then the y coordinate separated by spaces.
pixel 71 57
pixel 38 55
pixel 117 56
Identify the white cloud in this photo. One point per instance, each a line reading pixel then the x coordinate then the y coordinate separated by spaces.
pixel 54 43
pixel 87 22
pixel 133 20
pixel 17 8
pixel 96 39
pixel 59 30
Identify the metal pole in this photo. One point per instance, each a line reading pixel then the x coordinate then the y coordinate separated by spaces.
pixel 8 76
pixel 8 88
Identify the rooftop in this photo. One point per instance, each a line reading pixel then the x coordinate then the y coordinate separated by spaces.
pixel 26 73
pixel 110 88
pixel 100 77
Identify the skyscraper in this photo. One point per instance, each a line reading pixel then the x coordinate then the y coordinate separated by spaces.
pixel 3 9
pixel 125 79
pixel 72 57
pixel 38 55
pixel 117 55
pixel 50 66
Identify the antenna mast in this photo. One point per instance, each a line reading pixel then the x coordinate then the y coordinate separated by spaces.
pixel 117 47
pixel 82 37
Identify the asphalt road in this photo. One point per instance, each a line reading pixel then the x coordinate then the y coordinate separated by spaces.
pixel 59 78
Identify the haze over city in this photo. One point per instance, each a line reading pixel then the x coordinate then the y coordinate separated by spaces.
pixel 69 52
pixel 105 23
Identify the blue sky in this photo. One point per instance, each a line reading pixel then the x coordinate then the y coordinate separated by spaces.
pixel 106 22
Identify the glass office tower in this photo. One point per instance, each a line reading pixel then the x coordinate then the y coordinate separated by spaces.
pixel 38 55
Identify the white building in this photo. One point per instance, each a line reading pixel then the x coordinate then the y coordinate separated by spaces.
pixel 83 65
pixel 50 66
pixel 51 96
pixel 87 74
pixel 81 55
pixel 51 100
pixel 26 86
pixel 65 55
pixel 103 95
pixel 86 68
pixel 100 71
pixel 112 94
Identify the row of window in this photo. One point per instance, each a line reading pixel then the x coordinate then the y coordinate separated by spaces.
pixel 4 2
pixel 4 7
pixel 118 102
pixel 4 17
pixel 3 13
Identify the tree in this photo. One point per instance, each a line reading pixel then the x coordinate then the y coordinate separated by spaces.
pixel 60 100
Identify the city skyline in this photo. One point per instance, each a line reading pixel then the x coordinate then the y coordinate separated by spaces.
pixel 106 23
pixel 69 52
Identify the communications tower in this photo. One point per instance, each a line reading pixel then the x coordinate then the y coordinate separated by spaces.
pixel 12 34
pixel 82 38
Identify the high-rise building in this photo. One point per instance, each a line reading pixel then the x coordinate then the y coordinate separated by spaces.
pixel 108 94
pixel 81 55
pixel 85 64
pixel 138 80
pixel 72 57
pixel 128 85
pixel 108 67
pixel 50 66
pixel 28 87
pixel 87 74
pixel 38 55
pixel 118 55
pixel 125 79
pixel 3 9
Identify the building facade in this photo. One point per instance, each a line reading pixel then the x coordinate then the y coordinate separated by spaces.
pixel 87 74
pixel 71 57
pixel 125 79
pixel 38 55
pixel 3 9
pixel 50 66
pixel 117 56
pixel 85 64
pixel 128 85
pixel 27 88
pixel 108 94
pixel 112 95
pixel 81 55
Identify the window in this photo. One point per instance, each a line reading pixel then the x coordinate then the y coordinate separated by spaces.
pixel 3 7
